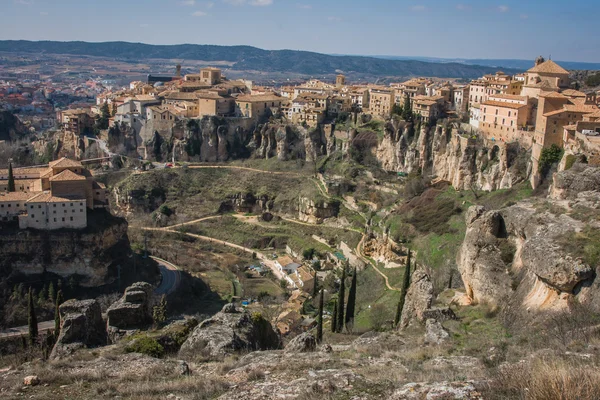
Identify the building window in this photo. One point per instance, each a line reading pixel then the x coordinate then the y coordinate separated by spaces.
pixel 71 218
pixel 63 220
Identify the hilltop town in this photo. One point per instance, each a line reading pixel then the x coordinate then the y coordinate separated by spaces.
pixel 430 237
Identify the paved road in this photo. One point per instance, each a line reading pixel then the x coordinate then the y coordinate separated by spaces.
pixel 171 278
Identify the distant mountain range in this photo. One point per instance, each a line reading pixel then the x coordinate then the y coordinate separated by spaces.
pixel 247 58
pixel 497 63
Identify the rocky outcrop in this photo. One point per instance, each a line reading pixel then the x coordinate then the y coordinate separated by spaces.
pixel 315 212
pixel 437 390
pixel 132 311
pixel 419 298
pixel 229 331
pixel 303 343
pixel 247 203
pixel 81 326
pixel 91 254
pixel 580 179
pixel 435 332
pixel 440 151
pixel 11 127
pixel 518 258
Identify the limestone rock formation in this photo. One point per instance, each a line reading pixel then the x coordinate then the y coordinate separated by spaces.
pixel 81 326
pixel 435 332
pixel 303 343
pixel 92 253
pixel 229 331
pixel 577 180
pixel 315 212
pixel 517 258
pixel 132 311
pixel 419 298
pixel 460 160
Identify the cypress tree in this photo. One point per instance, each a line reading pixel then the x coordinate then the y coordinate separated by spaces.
pixel 320 322
pixel 341 295
pixel 57 313
pixel 334 318
pixel 51 292
pixel 11 179
pixel 315 285
pixel 407 114
pixel 32 320
pixel 351 303
pixel 404 289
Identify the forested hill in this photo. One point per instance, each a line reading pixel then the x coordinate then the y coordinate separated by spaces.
pixel 252 58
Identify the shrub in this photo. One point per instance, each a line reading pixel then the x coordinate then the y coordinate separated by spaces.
pixel 550 155
pixel 146 345
pixel 165 210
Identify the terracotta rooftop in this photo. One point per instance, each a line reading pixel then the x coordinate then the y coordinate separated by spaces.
pixel 573 93
pixel 573 108
pixel 553 95
pixel 47 197
pixel 17 196
pixel 259 98
pixel 67 175
pixel 502 104
pixel 284 260
pixel 549 67
pixel 65 163
pixel 509 97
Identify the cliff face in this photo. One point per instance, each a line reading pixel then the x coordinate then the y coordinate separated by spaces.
pixel 214 139
pixel 531 257
pixel 91 254
pixel 460 160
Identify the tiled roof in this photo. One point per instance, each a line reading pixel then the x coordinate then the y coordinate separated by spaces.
pixel 47 197
pixel 284 260
pixel 65 162
pixel 259 98
pixel 576 109
pixel 502 104
pixel 573 93
pixel 553 95
pixel 17 196
pixel 67 175
pixel 549 67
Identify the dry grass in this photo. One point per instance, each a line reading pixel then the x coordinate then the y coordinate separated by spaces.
pixel 546 379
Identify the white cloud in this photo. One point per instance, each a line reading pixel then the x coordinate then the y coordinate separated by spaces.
pixel 418 8
pixel 334 19
pixel 524 16
pixel 24 2
pixel 209 5
pixel 304 6
pixel 144 25
pixel 463 7
pixel 199 14
pixel 261 3
pixel 187 2
pixel 43 12
pixel 503 9
pixel 258 3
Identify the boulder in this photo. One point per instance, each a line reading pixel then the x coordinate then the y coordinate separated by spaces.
pixel 229 331
pixel 435 332
pixel 81 326
pixel 132 311
pixel 31 380
pixel 303 343
pixel 437 390
pixel 419 298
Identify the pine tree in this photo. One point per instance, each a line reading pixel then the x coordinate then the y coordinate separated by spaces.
pixel 320 322
pixel 334 318
pixel 159 314
pixel 51 292
pixel 11 179
pixel 341 295
pixel 57 313
pixel 404 289
pixel 32 320
pixel 350 307
pixel 42 296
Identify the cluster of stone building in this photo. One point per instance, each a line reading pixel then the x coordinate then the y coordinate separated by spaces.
pixel 50 197
pixel 538 109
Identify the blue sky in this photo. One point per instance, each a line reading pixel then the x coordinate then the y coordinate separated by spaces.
pixel 567 30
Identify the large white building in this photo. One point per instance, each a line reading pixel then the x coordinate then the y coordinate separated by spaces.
pixel 48 212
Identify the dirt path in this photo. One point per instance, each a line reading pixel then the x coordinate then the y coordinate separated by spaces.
pixel 361 255
pixel 246 169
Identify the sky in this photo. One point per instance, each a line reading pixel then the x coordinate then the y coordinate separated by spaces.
pixel 515 29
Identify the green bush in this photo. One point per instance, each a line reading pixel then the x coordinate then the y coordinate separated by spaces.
pixel 147 346
pixel 550 155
